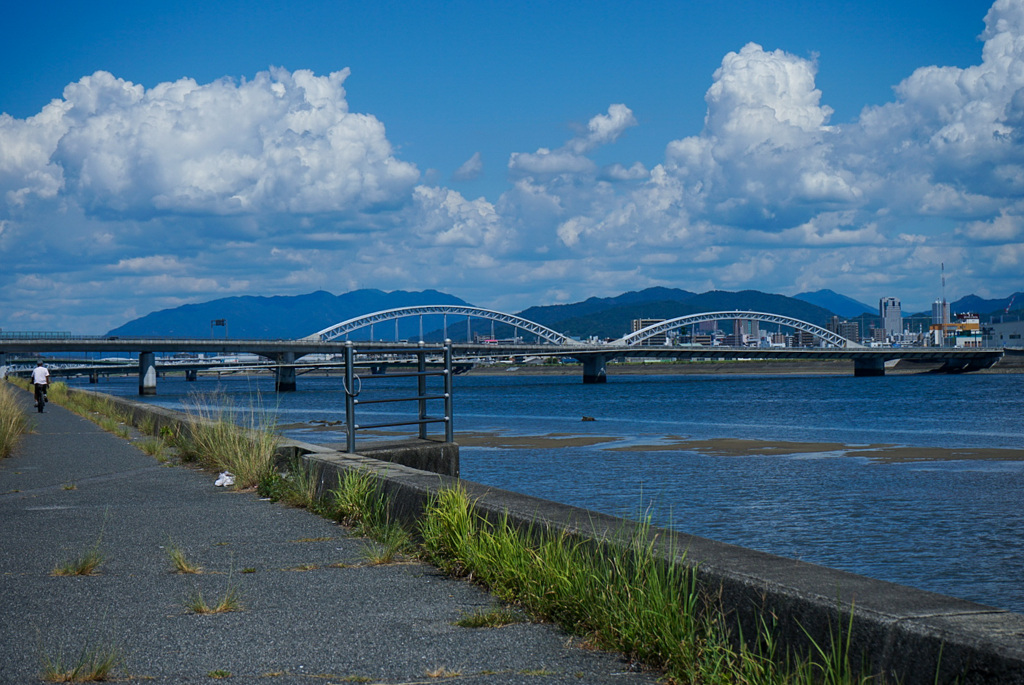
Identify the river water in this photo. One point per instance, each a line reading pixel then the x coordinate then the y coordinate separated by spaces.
pixel 810 477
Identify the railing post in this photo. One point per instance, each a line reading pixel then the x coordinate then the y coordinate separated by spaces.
pixel 421 388
pixel 449 431
pixel 350 398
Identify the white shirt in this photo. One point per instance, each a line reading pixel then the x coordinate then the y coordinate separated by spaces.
pixel 40 376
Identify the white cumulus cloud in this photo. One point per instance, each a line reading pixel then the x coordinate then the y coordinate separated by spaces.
pixel 281 142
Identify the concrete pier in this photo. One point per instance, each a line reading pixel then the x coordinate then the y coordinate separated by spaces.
pixel 594 370
pixel 284 376
pixel 869 367
pixel 147 373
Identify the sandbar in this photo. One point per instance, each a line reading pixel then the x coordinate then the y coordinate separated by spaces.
pixel 713 447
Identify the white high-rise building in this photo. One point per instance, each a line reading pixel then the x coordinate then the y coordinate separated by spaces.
pixel 940 312
pixel 892 316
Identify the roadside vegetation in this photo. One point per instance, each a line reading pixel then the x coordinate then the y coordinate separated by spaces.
pixel 221 437
pixel 619 598
pixel 13 421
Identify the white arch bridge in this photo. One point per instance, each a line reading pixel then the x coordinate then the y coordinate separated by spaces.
pixel 343 329
pixel 827 336
pixel 594 358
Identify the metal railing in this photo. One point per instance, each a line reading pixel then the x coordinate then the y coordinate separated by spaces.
pixel 353 387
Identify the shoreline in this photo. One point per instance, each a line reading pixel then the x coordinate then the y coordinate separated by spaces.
pixel 882 453
pixel 751 367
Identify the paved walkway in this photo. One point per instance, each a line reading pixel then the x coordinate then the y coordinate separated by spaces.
pixel 70 485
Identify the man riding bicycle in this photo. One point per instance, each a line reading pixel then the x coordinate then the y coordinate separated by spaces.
pixel 40 379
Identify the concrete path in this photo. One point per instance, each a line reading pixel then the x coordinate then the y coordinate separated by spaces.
pixel 70 486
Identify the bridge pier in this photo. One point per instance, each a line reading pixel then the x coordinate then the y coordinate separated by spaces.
pixel 191 375
pixel 874 366
pixel 594 369
pixel 147 373
pixel 284 376
pixel 94 377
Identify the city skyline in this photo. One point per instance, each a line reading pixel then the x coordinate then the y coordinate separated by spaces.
pixel 512 154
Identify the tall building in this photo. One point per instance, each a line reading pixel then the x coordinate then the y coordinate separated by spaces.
pixel 848 329
pixel 892 317
pixel 659 339
pixel 940 312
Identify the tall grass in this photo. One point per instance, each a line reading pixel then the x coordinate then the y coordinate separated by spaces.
pixel 624 599
pixel 13 421
pixel 223 438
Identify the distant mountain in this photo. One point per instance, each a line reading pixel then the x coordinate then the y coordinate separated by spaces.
pixel 555 313
pixel 290 317
pixel 978 305
pixel 612 317
pixel 279 317
pixel 844 306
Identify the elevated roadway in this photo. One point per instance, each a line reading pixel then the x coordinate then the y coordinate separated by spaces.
pixel 286 355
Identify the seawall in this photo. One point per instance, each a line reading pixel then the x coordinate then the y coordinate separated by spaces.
pixel 910 635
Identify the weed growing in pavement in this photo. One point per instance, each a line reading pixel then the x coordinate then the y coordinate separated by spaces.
pixel 94 663
pixel 219 674
pixel 230 601
pixel 85 564
pixel 180 563
pixel 303 567
pixel 442 672
pixel 13 421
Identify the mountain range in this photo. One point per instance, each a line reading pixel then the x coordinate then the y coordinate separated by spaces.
pixel 289 317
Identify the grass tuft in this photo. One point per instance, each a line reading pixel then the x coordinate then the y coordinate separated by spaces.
pixel 180 563
pixel 229 601
pixel 303 567
pixel 86 564
pixel 94 663
pixel 154 447
pixel 443 672
pixel 296 487
pixel 222 438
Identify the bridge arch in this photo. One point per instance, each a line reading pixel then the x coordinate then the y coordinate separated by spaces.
pixel 828 336
pixel 345 327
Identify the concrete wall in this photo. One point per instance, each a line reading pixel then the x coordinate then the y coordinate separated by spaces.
pixel 911 635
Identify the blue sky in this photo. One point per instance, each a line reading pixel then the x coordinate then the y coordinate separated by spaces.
pixel 511 153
